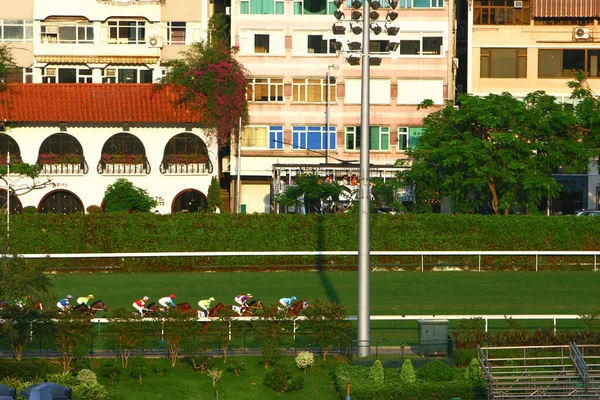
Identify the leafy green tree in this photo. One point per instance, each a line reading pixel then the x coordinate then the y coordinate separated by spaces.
pixel 71 330
pixel 497 150
pixel 124 196
pixel 16 327
pixel 21 279
pixel 310 190
pixel 328 325
pixel 213 83
pixel 214 193
pixel 6 62
pixel 129 333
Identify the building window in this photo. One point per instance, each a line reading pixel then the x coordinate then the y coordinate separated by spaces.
pixel 126 32
pixel 176 32
pixel 314 7
pixel 560 63
pixel 503 63
pixel 414 136
pixel 263 137
pixel 127 75
pixel 421 4
pixel 313 91
pixel 402 138
pixel 379 140
pixel 16 30
pixel 265 89
pixel 501 12
pixel 66 75
pixel 317 45
pixel 262 7
pixel 421 43
pixel 67 32
pixel 261 43
pixel 313 138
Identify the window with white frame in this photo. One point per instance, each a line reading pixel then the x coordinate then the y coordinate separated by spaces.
pixel 67 32
pixel 313 138
pixel 421 43
pixel 379 138
pixel 16 30
pixel 314 7
pixel 309 90
pixel 126 75
pixel 176 32
pixel 54 74
pixel 262 7
pixel 414 135
pixel 402 138
pixel 380 91
pixel 414 91
pixel 316 44
pixel 261 43
pixel 265 89
pixel 126 32
pixel 263 137
pixel 421 4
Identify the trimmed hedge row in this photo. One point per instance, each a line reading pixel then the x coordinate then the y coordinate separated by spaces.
pixel 145 232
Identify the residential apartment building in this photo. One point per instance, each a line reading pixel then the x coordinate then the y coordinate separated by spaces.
pixel 521 46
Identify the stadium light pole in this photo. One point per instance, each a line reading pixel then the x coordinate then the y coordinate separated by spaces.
pixel 327 101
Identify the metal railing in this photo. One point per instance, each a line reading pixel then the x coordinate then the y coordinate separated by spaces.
pixel 580 364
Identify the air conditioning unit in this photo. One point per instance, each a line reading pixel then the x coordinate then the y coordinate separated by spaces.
pixel 581 33
pixel 155 42
pixel 518 4
pixel 110 73
pixel 50 72
pixel 51 28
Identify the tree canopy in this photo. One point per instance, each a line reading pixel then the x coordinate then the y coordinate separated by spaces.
pixel 213 83
pixel 124 196
pixel 501 151
pixel 6 62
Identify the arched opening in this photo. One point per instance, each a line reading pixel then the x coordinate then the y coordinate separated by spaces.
pixel 186 153
pixel 15 204
pixel 61 202
pixel 8 144
pixel 123 153
pixel 189 200
pixel 61 153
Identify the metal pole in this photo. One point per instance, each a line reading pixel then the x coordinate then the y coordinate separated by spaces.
pixel 7 202
pixel 237 167
pixel 364 347
pixel 327 116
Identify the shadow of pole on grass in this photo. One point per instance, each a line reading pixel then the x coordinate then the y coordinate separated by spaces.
pixel 320 262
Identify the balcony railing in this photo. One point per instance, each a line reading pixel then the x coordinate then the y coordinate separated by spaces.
pixel 64 169
pixel 185 169
pixel 123 169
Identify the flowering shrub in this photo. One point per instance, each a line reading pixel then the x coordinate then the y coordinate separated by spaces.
pixel 56 158
pixel 213 83
pixel 14 159
pixel 305 359
pixel 181 158
pixel 125 157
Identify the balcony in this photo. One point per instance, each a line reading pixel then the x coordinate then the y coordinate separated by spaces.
pixel 62 164
pixel 123 164
pixel 186 164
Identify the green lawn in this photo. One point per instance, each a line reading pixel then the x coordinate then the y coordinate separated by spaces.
pixel 392 293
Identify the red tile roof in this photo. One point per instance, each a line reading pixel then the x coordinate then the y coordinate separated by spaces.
pixel 37 102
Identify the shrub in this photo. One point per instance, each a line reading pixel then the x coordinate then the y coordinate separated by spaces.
pixel 462 357
pixel 30 210
pixel 91 391
pixel 111 371
pixel 305 359
pixel 435 371
pixel 236 365
pixel 376 373
pixel 473 371
pixel 138 369
pixel 93 209
pixel 407 373
pixel 159 369
pixel 281 380
pixel 86 375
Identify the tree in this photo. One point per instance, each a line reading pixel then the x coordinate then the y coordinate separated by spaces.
pixel 213 83
pixel 214 194
pixel 17 324
pixel 129 332
pixel 310 190
pixel 70 332
pixel 327 323
pixel 497 150
pixel 124 196
pixel 21 279
pixel 6 62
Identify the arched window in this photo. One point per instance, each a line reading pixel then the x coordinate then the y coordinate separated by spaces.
pixel 189 200
pixel 61 153
pixel 186 153
pixel 8 144
pixel 15 204
pixel 123 154
pixel 61 202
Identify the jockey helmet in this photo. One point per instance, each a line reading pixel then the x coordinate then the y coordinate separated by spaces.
pixel 145 298
pixel 249 295
pixel 172 296
pixel 294 298
pixel 211 299
pixel 90 296
pixel 70 296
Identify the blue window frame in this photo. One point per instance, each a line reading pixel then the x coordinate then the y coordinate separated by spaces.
pixel 276 137
pixel 313 138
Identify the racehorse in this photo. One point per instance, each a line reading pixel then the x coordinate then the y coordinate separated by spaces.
pixel 250 309
pixel 186 308
pixel 213 311
pixel 151 308
pixel 92 309
pixel 295 309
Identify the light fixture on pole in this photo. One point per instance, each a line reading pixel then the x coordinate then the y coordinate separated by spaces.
pixel 369 22
pixel 327 101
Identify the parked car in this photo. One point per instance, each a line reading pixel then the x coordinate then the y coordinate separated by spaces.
pixel 588 213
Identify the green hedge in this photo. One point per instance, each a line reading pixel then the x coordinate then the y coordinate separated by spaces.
pixel 361 387
pixel 145 232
